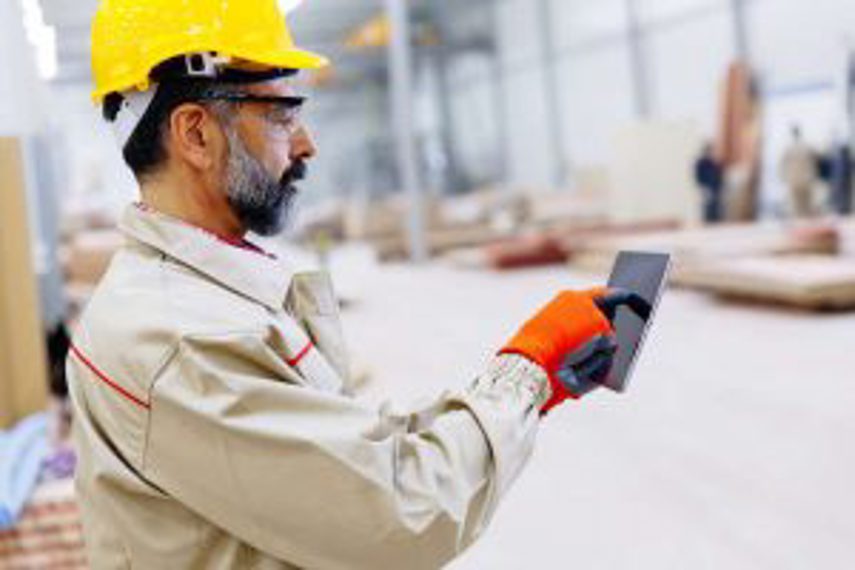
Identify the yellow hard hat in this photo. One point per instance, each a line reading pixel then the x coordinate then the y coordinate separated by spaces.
pixel 132 37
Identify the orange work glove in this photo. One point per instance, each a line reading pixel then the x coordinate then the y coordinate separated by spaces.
pixel 568 326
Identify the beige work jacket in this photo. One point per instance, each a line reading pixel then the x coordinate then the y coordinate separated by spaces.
pixel 215 427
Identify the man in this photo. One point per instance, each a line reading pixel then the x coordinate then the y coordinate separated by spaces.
pixel 800 172
pixel 708 175
pixel 209 381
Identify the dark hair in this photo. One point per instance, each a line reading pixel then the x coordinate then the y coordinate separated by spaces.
pixel 58 345
pixel 145 151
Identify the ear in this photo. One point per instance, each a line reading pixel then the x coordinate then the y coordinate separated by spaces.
pixel 195 136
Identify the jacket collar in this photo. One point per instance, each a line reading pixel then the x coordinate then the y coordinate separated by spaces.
pixel 240 266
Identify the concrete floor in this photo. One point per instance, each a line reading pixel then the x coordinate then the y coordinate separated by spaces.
pixel 733 448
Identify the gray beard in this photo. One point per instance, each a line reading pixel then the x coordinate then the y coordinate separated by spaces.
pixel 261 203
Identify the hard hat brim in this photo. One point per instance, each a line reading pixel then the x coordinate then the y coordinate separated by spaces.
pixel 290 59
pixel 299 59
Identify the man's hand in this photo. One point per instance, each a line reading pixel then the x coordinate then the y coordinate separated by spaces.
pixel 572 339
pixel 586 368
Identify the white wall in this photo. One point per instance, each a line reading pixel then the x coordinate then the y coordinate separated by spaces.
pixel 22 93
pixel 474 115
pixel 343 127
pixel 24 101
pixel 798 41
pixel 687 61
pixel 686 47
pixel 95 175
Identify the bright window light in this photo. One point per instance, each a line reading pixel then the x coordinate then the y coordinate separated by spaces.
pixel 42 37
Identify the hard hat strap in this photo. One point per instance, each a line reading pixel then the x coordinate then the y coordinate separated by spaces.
pixel 204 68
pixel 212 66
pixel 204 64
pixel 131 111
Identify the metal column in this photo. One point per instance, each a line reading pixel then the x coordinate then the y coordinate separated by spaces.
pixel 638 60
pixel 550 85
pixel 500 99
pixel 740 30
pixel 401 68
pixel 455 180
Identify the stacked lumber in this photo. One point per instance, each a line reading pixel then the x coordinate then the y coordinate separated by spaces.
pixel 511 228
pixel 792 264
pixel 527 251
pixel 553 246
pixel 454 222
pixel 816 282
pixel 700 246
pixel 559 209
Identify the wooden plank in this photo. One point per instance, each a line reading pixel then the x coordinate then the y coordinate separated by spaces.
pixel 807 281
pixel 547 247
pixel 23 379
pixel 702 245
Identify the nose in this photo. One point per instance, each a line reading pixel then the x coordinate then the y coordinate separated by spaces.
pixel 302 145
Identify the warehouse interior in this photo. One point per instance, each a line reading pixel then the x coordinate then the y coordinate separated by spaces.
pixel 474 159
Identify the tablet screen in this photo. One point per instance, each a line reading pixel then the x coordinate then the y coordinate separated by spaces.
pixel 644 274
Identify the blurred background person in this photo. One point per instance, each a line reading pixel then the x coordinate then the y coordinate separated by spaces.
pixel 709 177
pixel 799 169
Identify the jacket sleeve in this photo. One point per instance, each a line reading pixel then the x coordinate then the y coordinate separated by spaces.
pixel 317 479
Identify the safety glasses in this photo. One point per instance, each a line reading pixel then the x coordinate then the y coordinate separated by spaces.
pixel 282 111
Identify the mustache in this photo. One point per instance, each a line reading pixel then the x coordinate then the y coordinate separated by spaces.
pixel 296 172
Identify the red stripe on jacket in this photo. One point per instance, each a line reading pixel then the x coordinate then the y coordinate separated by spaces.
pixel 108 381
pixel 300 355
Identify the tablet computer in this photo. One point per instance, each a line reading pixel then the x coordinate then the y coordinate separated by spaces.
pixel 645 274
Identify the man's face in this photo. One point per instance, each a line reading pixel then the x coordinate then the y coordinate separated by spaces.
pixel 267 153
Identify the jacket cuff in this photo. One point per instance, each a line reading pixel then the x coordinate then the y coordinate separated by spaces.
pixel 515 377
pixel 506 401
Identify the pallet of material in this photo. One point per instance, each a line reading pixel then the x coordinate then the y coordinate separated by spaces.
pixel 696 246
pixel 527 251
pixel 49 533
pixel 551 210
pixel 815 282
pixel 439 240
pixel 543 247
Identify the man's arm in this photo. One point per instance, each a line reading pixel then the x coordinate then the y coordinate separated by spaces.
pixel 321 481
